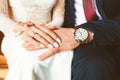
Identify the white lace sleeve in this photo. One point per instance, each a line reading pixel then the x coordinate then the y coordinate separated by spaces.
pixel 58 14
pixel 6 24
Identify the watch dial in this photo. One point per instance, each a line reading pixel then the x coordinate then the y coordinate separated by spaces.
pixel 81 34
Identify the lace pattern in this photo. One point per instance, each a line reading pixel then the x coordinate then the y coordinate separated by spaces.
pixel 3 7
pixel 6 24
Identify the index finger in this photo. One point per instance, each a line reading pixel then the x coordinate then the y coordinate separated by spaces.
pixel 50 32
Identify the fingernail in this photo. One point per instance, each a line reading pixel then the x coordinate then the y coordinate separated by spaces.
pixel 58 40
pixel 56 44
pixel 26 44
pixel 42 46
pixel 50 46
pixel 41 58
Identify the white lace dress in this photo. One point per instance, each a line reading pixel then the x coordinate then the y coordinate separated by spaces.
pixel 24 65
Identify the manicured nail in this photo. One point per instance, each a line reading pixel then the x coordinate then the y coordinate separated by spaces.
pixel 56 44
pixel 42 46
pixel 26 44
pixel 58 40
pixel 50 46
pixel 41 58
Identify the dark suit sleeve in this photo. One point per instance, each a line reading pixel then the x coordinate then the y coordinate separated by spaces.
pixel 106 32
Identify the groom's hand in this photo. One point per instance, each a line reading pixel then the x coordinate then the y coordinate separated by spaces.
pixel 65 34
pixel 68 42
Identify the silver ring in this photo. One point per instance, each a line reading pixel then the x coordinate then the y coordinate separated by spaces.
pixel 35 35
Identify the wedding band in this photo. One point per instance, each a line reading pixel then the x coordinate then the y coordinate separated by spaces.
pixel 35 35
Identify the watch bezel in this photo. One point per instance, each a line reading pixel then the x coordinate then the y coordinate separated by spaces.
pixel 80 37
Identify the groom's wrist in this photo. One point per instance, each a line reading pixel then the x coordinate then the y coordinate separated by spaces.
pixel 82 35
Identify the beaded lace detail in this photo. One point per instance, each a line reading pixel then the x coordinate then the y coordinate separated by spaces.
pixel 37 11
pixel 27 8
pixel 3 7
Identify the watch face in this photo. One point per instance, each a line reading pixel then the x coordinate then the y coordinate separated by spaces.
pixel 81 34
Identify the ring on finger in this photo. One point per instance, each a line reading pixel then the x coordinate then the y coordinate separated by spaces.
pixel 36 36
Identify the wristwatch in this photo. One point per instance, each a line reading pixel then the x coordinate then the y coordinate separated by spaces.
pixel 81 35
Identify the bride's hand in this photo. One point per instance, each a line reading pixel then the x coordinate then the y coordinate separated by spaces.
pixel 38 37
pixel 22 26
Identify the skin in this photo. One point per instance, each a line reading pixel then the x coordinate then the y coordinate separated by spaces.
pixel 44 36
pixel 50 36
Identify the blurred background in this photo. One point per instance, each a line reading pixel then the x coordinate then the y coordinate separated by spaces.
pixel 3 62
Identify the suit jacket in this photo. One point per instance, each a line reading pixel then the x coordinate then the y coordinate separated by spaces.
pixel 106 31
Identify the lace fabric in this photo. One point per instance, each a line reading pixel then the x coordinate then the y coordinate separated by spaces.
pixel 3 7
pixel 27 8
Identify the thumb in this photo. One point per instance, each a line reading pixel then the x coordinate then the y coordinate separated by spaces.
pixel 48 54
